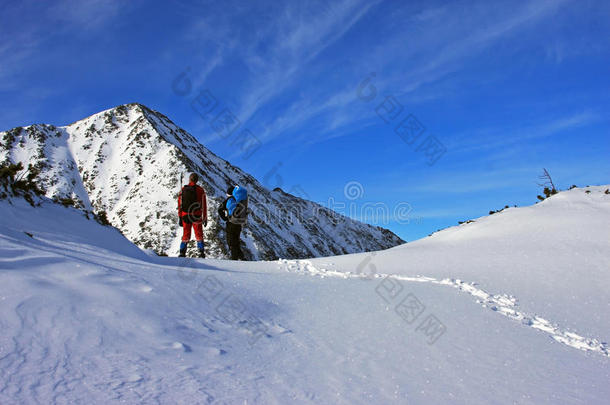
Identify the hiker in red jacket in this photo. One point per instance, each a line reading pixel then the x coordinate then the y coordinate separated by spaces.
pixel 193 211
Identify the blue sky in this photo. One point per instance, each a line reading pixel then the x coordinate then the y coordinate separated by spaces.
pixel 505 87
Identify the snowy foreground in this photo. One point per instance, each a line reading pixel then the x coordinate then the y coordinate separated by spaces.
pixel 513 308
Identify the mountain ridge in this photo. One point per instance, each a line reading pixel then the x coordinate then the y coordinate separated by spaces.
pixel 126 161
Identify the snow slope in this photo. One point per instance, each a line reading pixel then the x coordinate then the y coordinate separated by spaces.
pixel 86 317
pixel 127 161
pixel 558 249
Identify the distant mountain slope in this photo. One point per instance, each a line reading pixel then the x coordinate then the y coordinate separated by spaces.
pixel 127 161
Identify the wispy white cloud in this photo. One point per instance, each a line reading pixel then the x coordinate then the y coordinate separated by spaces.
pixel 438 46
pixel 299 35
pixel 287 88
pixel 25 26
pixel 462 44
pixel 86 15
pixel 296 48
pixel 493 138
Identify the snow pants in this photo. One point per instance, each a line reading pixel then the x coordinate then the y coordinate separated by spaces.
pixel 186 231
pixel 233 240
pixel 186 234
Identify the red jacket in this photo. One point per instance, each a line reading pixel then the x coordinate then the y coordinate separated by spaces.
pixel 200 197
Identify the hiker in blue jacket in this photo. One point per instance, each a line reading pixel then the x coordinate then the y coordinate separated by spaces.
pixel 234 210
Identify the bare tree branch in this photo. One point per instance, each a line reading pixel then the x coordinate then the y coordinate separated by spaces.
pixel 547 180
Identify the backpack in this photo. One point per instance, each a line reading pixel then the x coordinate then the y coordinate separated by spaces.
pixel 240 194
pixel 190 203
pixel 237 206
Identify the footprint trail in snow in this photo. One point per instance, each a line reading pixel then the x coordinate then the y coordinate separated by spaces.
pixel 501 303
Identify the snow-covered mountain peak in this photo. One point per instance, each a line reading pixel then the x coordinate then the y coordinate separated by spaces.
pixel 128 160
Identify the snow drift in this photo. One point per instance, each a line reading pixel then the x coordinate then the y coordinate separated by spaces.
pixel 522 297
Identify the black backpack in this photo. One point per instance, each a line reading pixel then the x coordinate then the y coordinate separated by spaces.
pixel 190 204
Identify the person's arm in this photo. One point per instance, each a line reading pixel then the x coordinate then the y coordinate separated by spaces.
pixel 204 206
pixel 180 208
pixel 222 210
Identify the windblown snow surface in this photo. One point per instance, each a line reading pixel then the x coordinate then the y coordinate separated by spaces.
pixel 512 308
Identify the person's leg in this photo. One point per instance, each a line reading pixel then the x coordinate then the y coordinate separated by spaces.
pixel 228 234
pixel 231 239
pixel 198 227
pixel 240 254
pixel 186 236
